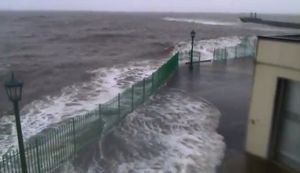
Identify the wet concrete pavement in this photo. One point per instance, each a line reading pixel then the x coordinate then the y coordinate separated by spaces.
pixel 227 85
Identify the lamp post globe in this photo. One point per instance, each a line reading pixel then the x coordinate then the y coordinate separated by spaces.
pixel 193 34
pixel 13 90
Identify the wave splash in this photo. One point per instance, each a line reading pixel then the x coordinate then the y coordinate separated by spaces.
pixel 74 100
pixel 206 47
pixel 171 133
pixel 200 21
pixel 105 83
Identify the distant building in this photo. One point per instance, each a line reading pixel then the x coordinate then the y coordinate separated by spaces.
pixel 273 134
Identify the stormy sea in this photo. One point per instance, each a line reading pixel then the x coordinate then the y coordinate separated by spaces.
pixel 72 61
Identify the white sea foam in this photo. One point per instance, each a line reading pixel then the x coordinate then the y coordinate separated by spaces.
pixel 171 133
pixel 205 47
pixel 184 130
pixel 199 21
pixel 257 27
pixel 104 85
pixel 74 100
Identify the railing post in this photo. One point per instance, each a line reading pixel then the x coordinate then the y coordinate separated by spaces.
pixel 12 157
pixel 152 83
pixel 14 162
pixel 53 143
pixel 225 52
pixel 158 77
pixel 74 135
pixel 1 164
pixel 101 120
pixel 38 155
pixel 100 114
pixel 10 161
pixel 119 105
pixel 235 52
pixel 132 97
pixel 144 90
pixel 47 153
pixel 6 163
pixel 222 53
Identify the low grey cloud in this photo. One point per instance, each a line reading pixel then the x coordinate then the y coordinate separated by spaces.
pixel 261 6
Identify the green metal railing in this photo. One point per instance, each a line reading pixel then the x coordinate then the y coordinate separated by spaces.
pixel 246 49
pixel 50 149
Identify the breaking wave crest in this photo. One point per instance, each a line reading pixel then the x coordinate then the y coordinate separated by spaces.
pixel 174 134
pixel 104 85
pixel 171 133
pixel 206 47
pixel 200 21
pixel 74 100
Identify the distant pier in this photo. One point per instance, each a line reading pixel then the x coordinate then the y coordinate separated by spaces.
pixel 254 19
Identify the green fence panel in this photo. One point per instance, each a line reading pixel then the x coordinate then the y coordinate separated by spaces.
pixel 138 93
pixel 51 148
pixel 246 49
pixel 126 102
pixel 148 86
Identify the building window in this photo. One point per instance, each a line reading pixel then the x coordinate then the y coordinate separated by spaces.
pixel 287 151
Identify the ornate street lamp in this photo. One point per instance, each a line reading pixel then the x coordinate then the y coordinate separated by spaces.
pixel 13 90
pixel 193 34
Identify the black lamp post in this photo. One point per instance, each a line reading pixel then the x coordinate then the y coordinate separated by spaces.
pixel 13 89
pixel 193 34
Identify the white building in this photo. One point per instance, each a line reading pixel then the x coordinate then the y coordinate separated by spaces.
pixel 273 134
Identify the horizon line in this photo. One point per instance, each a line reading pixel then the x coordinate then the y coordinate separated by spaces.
pixel 145 11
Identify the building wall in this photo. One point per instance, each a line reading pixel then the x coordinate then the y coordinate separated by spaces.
pixel 284 54
pixel 275 59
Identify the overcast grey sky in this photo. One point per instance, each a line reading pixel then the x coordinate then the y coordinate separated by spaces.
pixel 260 6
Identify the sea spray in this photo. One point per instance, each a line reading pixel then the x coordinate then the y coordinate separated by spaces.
pixel 74 100
pixel 172 132
pixel 105 84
